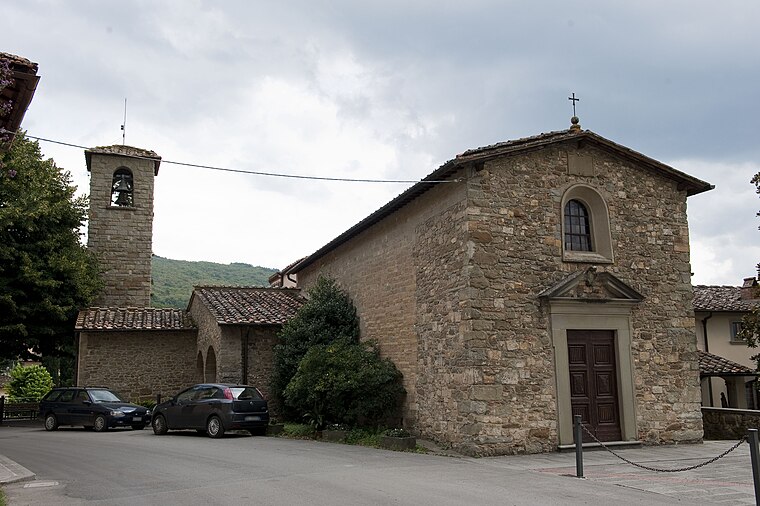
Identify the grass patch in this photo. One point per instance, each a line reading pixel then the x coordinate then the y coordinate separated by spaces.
pixel 2 497
pixel 298 431
pixel 355 436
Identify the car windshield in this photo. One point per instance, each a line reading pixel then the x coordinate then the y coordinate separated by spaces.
pixel 245 393
pixel 104 396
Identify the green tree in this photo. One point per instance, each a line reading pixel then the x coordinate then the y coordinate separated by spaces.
pixel 751 322
pixel 345 382
pixel 327 316
pixel 29 383
pixel 46 274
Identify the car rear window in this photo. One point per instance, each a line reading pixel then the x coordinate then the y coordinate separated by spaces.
pixel 245 393
pixel 53 395
pixel 67 396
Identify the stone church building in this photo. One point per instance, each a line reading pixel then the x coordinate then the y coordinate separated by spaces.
pixel 525 282
pixel 515 286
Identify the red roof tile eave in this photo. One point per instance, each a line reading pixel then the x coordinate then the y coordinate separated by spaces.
pixel 141 329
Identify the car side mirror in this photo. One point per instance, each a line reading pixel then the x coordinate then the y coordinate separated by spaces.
pixel 86 403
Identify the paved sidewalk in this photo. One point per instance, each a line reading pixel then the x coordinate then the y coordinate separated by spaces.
pixel 11 472
pixel 726 481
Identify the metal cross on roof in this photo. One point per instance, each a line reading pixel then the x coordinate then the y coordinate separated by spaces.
pixel 574 101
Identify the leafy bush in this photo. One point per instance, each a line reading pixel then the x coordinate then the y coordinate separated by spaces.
pixel 346 382
pixel 29 383
pixel 327 316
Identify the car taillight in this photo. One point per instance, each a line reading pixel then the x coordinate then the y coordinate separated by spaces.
pixel 228 394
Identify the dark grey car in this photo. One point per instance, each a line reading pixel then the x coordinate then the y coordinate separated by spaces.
pixel 213 408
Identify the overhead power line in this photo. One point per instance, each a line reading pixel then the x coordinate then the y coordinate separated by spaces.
pixel 261 173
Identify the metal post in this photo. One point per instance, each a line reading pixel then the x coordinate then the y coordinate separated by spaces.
pixel 754 454
pixel 578 447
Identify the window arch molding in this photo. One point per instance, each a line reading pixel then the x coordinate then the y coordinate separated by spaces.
pixel 599 223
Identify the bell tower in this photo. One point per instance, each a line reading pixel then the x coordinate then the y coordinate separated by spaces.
pixel 120 230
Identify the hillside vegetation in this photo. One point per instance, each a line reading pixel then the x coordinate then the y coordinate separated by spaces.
pixel 173 280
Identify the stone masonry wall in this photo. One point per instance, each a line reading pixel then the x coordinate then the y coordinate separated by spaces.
pixel 729 423
pixel 230 356
pixel 209 335
pixel 378 270
pixel 514 252
pixel 443 364
pixel 261 342
pixel 139 365
pixel 121 237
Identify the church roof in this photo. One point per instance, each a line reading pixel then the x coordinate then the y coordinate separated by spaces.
pixel 476 156
pixel 722 298
pixel 234 305
pixel 714 365
pixel 133 318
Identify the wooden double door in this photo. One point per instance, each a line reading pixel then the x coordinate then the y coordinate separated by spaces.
pixel 593 382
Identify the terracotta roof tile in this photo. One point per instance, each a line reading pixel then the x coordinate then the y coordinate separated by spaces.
pixel 714 365
pixel 146 318
pixel 722 298
pixel 232 305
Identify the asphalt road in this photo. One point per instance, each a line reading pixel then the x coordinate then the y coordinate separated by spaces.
pixel 124 467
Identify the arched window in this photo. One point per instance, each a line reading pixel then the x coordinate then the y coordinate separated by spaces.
pixel 585 226
pixel 122 194
pixel 577 227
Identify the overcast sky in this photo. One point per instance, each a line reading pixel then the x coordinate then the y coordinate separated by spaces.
pixel 388 90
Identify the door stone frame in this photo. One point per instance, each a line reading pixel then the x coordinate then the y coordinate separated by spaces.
pixel 582 314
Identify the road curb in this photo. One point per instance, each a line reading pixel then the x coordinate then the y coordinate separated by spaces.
pixel 12 472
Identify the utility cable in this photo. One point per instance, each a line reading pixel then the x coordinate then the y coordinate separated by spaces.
pixel 259 173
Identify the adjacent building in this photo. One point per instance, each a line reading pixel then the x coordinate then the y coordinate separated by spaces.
pixel 729 376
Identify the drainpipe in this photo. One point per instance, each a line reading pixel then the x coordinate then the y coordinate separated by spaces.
pixel 707 350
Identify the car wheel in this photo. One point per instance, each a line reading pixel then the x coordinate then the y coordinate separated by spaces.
pixel 214 427
pixel 138 426
pixel 51 422
pixel 159 425
pixel 101 424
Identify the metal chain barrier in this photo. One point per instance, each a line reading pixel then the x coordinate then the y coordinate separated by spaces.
pixel 678 470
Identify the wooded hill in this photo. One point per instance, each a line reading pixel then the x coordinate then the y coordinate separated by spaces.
pixel 173 280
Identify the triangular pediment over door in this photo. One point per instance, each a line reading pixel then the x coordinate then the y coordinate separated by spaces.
pixel 589 285
pixel 598 302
